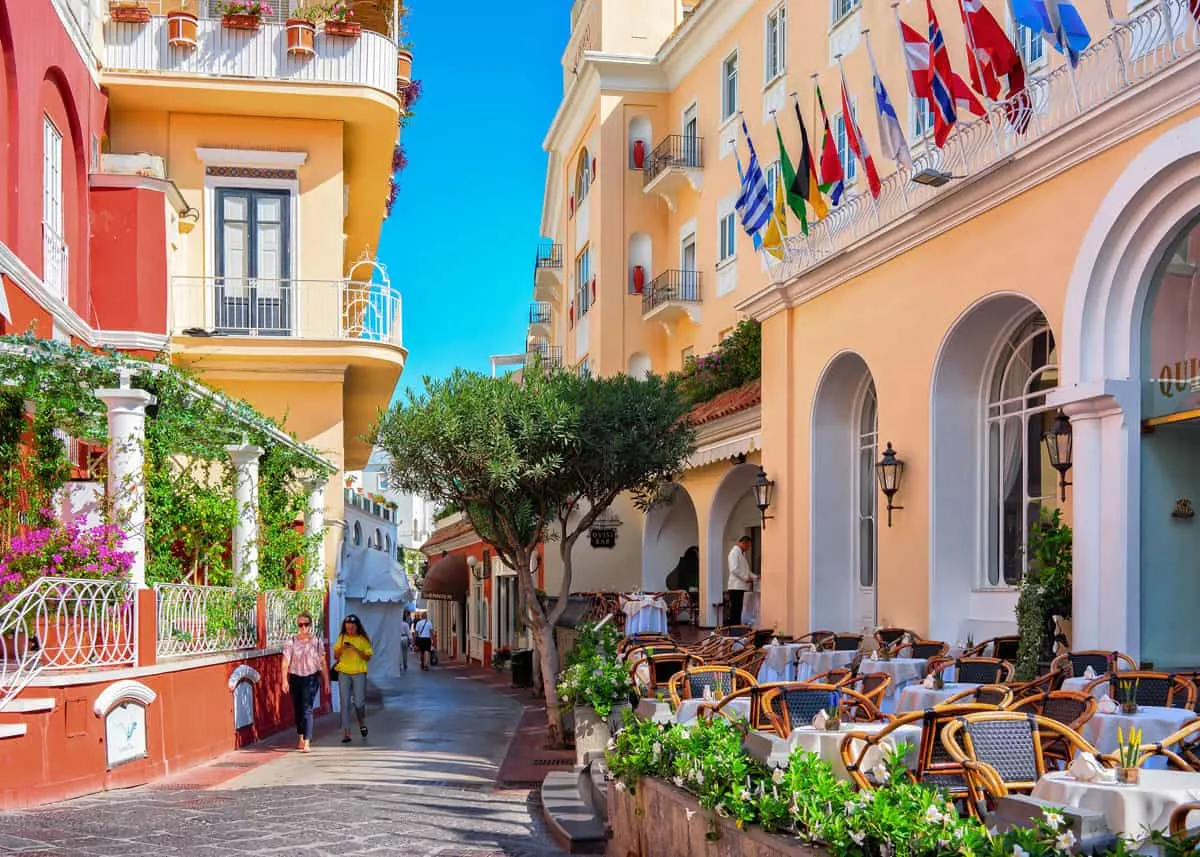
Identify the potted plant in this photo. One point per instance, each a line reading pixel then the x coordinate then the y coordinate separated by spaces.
pixel 404 59
pixel 338 23
pixel 596 685
pixel 243 14
pixel 1128 773
pixel 129 11
pixel 302 31
pixel 181 26
pixel 1045 593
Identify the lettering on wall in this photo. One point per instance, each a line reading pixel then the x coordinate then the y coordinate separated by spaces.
pixel 1182 376
pixel 125 733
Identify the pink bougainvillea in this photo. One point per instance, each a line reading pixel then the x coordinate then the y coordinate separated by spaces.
pixel 69 550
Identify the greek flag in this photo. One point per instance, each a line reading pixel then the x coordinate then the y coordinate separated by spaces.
pixel 754 205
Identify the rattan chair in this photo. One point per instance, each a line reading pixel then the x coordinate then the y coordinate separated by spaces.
pixel 1177 826
pixel 863 752
pixel 927 649
pixel 1042 684
pixel 992 695
pixel 796 703
pixel 846 642
pixel 837 675
pixel 660 667
pixel 1179 749
pixel 1001 752
pixel 873 686
pixel 720 681
pixel 1148 688
pixel 975 670
pixel 817 639
pixel 1071 708
pixel 749 660
pixel 1001 648
pixel 1101 662
pixel 887 638
pixel 935 766
pixel 735 631
pixel 756 694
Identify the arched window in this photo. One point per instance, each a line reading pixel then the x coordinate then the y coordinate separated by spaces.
pixel 357 534
pixel 583 177
pixel 1020 479
pixel 867 445
pixel 378 541
pixel 387 543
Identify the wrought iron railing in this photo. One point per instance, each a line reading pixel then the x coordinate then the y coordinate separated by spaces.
pixel 56 261
pixel 196 620
pixel 550 356
pixel 539 312
pixel 549 256
pixel 59 623
pixel 1156 39
pixel 283 606
pixel 671 286
pixel 682 151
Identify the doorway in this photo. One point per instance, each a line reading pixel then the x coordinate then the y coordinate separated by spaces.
pixel 253 290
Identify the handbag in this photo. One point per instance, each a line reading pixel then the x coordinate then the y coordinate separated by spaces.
pixel 433 657
pixel 333 675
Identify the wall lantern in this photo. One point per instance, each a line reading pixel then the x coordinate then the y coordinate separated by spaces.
pixel 1060 447
pixel 763 489
pixel 890 471
pixel 478 569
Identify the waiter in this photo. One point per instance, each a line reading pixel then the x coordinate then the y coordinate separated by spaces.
pixel 741 579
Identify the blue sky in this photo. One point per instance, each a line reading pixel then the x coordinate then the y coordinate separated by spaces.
pixel 461 240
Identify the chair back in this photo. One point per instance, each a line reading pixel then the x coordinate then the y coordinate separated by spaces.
pixel 998 695
pixel 735 630
pixel 720 681
pixel 935 766
pixel 886 638
pixel 928 649
pixel 795 704
pixel 981 670
pixel 846 642
pixel 873 686
pixel 1071 708
pixel 1101 662
pixel 1152 688
pixel 818 639
pixel 862 752
pixel 1005 648
pixel 837 675
pixel 660 667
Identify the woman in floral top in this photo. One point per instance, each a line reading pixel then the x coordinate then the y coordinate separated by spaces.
pixel 304 665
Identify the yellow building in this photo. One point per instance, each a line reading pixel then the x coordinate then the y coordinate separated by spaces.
pixel 1044 258
pixel 280 143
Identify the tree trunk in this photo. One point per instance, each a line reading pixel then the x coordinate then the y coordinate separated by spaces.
pixel 546 646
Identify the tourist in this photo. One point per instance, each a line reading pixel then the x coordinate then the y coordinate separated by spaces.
pixel 353 650
pixel 741 579
pixel 424 634
pixel 405 639
pixel 306 670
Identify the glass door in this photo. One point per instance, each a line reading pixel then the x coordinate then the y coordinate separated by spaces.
pixel 867 445
pixel 691 139
pixel 253 286
pixel 688 279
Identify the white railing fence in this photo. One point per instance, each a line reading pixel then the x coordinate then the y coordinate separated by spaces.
pixel 283 606
pixel 1135 51
pixel 59 623
pixel 194 620
pixel 55 261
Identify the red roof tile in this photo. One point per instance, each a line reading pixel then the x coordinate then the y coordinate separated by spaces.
pixel 729 402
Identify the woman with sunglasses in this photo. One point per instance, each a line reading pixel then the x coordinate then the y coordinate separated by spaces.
pixel 353 650
pixel 304 664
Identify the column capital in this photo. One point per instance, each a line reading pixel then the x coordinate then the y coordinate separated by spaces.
pixel 1096 399
pixel 244 453
pixel 125 398
pixel 313 484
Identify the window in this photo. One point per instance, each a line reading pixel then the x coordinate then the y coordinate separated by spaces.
pixel 686 354
pixel 1031 45
pixel 849 165
pixel 867 446
pixel 920 117
pixel 377 543
pixel 689 278
pixel 357 534
pixel 383 482
pixel 1020 479
pixel 724 334
pixel 387 543
pixel 727 230
pixel 583 177
pixel 54 245
pixel 729 88
pixel 776 48
pixel 583 281
pixel 841 8
pixel 252 292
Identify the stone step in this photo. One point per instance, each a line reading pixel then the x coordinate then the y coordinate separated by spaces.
pixel 29 706
pixel 12 730
pixel 594 790
pixel 572 822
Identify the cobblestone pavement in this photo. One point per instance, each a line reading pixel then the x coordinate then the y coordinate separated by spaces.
pixel 421 785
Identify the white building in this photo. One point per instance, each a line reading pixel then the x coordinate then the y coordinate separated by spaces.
pixel 414 515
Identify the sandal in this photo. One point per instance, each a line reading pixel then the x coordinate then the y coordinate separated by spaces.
pixel 362 730
pixel 346 739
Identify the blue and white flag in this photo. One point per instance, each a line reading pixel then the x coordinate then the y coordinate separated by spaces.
pixel 892 143
pixel 754 205
pixel 1058 21
pixel 742 180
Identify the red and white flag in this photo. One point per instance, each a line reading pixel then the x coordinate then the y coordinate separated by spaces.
pixel 916 58
pixel 854 139
pixel 992 56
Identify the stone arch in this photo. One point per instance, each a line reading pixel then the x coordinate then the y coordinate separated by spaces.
pixel 641 253
pixel 583 176
pixel 725 518
pixel 670 528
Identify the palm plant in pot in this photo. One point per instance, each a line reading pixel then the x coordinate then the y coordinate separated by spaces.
pixel 129 11
pixel 339 20
pixel 243 14
pixel 181 26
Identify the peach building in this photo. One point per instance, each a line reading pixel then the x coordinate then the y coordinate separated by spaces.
pixel 1044 259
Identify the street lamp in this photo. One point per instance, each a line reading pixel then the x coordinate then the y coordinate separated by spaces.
pixel 890 471
pixel 763 489
pixel 1060 444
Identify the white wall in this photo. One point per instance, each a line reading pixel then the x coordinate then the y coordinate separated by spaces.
pixel 617 569
pixel 670 529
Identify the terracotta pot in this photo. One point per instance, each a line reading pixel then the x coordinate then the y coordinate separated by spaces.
pixel 69 643
pixel 403 66
pixel 181 30
pixel 301 37
pixel 639 154
pixel 347 29
pixel 240 22
pixel 639 279
pixel 1129 776
pixel 130 14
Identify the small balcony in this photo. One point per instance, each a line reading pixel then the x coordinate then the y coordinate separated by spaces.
pixel 671 296
pixel 550 356
pixel 675 164
pixel 540 315
pixel 547 272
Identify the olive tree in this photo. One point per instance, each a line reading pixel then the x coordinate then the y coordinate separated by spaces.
pixel 535 461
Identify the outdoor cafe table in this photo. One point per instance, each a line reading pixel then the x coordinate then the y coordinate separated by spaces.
pixel 824 661
pixel 688 708
pixel 780 662
pixel 644 615
pixel 917 697
pixel 1132 810
pixel 900 669
pixel 827 744
pixel 1155 722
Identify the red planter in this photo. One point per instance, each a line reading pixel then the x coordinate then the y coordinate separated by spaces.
pixel 240 22
pixel 181 30
pixel 301 37
pixel 639 154
pixel 346 29
pixel 130 14
pixel 639 279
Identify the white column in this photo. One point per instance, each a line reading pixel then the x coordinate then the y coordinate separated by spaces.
pixel 126 468
pixel 314 524
pixel 245 531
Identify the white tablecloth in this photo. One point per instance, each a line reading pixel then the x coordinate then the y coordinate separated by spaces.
pixel 820 662
pixel 780 663
pixel 1132 810
pixel 1079 683
pixel 900 669
pixel 917 697
pixel 828 744
pixel 686 713
pixel 1155 722
pixel 644 615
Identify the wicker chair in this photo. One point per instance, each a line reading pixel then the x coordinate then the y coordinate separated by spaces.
pixel 846 642
pixel 756 694
pixel 927 649
pixel 748 660
pixel 637 641
pixel 863 751
pixel 975 670
pixel 735 631
pixel 818 639
pixel 1042 684
pixel 874 686
pixel 1101 662
pixel 659 670
pixel 992 695
pixel 1177 826
pixel 833 676
pixel 935 766
pixel 1001 752
pixel 1149 688
pixel 1071 708
pixel 1001 648
pixel 796 703
pixel 1179 748
pixel 720 680
pixel 887 638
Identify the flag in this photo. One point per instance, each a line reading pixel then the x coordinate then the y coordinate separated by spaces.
pixel 1194 6
pixel 776 231
pixel 856 142
pixel 806 184
pixel 737 159
pixel 754 204
pixel 833 179
pixel 1058 22
pixel 891 133
pixel 995 57
pixel 941 97
pixel 916 58
pixel 795 200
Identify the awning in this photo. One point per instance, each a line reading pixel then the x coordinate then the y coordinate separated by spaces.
pixel 447 578
pixel 374 576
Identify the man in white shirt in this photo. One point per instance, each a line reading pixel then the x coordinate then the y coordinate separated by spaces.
pixel 741 579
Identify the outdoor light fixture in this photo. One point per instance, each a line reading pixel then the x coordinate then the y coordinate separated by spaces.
pixel 1059 447
pixel 931 177
pixel 890 471
pixel 478 570
pixel 763 489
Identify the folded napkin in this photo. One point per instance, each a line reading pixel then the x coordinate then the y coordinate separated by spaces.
pixel 1089 673
pixel 1107 705
pixel 874 656
pixel 1085 768
pixel 820 719
pixel 708 694
pixel 929 682
pixel 774 641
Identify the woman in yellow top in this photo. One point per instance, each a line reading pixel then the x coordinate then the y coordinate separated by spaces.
pixel 352 650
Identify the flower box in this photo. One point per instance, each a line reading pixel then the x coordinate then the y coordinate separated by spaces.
pixel 404 61
pixel 301 37
pixel 127 14
pixel 181 29
pixel 346 29
pixel 233 21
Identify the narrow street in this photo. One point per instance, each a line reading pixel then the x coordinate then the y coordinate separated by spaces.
pixel 423 783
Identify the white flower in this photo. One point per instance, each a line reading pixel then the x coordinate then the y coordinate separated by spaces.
pixel 866 797
pixel 677 781
pixel 933 815
pixel 881 773
pixel 858 836
pixel 1054 819
pixel 1018 851
pixel 620 786
pixel 699 778
pixel 849 807
pixel 612 744
pixel 657 749
pixel 1065 841
pixel 777 776
pixel 744 795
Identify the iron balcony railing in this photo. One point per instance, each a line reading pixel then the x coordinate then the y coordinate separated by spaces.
pixel 551 356
pixel 284 606
pixel 677 151
pixel 539 312
pixel 201 620
pixel 1150 43
pixel 301 309
pixel 671 286
pixel 549 256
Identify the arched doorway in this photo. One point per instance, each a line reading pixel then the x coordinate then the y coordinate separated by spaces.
pixel 991 476
pixel 733 514
pixel 669 532
pixel 845 428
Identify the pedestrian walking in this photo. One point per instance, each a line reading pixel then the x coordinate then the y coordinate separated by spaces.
pixel 405 639
pixel 306 670
pixel 352 651
pixel 424 634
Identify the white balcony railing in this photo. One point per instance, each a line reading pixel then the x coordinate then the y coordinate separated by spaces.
pixel 55 261
pixel 197 620
pixel 58 623
pixel 300 309
pixel 369 60
pixel 1134 52
pixel 283 606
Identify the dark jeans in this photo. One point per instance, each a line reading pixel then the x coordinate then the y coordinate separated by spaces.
pixel 303 689
pixel 736 597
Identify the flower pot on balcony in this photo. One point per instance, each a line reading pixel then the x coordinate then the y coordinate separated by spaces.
pixel 181 29
pixel 301 37
pixel 403 68
pixel 130 14
pixel 345 29
pixel 240 22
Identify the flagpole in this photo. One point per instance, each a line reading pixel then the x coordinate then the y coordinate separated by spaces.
pixel 979 71
pixel 1113 22
pixel 875 70
pixel 912 94
pixel 857 133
